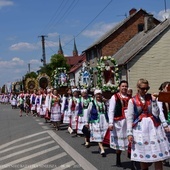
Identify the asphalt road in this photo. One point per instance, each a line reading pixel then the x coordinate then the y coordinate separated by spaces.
pixel 28 142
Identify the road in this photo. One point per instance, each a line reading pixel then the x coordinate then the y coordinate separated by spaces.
pixel 28 142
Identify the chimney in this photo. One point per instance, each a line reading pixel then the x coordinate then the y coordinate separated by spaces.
pixel 148 22
pixel 132 11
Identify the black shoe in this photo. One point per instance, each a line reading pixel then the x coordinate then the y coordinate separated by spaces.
pixel 103 154
pixel 87 145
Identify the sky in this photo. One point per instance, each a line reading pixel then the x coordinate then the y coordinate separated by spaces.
pixel 23 22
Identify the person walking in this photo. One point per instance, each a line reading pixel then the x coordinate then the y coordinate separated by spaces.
pixel 117 120
pixel 144 129
pixel 98 120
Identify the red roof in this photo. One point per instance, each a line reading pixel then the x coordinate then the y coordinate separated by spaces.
pixel 75 62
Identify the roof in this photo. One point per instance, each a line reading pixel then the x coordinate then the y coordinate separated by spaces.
pixel 75 62
pixel 110 32
pixel 72 60
pixel 138 43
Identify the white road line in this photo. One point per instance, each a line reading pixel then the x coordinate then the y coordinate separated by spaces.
pixel 41 123
pixel 72 152
pixel 65 166
pixel 25 150
pixel 45 162
pixel 25 144
pixel 20 139
pixel 45 127
pixel 10 164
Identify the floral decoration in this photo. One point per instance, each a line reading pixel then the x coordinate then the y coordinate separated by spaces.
pixel 59 77
pixel 86 81
pixel 101 67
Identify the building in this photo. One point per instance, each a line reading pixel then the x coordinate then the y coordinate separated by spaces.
pixel 146 55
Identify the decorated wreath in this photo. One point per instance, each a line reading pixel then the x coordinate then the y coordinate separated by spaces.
pixel 107 74
pixel 59 77
pixel 85 79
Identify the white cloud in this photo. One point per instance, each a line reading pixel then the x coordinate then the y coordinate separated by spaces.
pixel 54 34
pixel 11 63
pixel 162 15
pixel 4 3
pixel 99 29
pixel 23 46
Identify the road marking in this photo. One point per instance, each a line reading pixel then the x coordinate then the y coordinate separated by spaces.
pixel 10 164
pixel 44 162
pixel 25 144
pixel 65 166
pixel 41 123
pixel 26 150
pixel 46 127
pixel 20 139
pixel 72 152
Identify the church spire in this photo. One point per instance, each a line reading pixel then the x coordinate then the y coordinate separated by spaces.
pixel 60 50
pixel 75 52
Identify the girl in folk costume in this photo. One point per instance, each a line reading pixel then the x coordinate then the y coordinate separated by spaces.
pixel 55 110
pixel 42 106
pixel 98 120
pixel 32 102
pixel 48 105
pixel 117 120
pixel 144 129
pixel 73 109
pixel 65 105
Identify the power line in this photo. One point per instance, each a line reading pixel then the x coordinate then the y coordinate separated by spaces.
pixel 90 22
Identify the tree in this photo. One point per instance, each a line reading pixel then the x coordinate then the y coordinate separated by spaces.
pixel 57 60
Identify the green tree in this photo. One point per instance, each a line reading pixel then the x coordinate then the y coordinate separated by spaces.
pixel 31 75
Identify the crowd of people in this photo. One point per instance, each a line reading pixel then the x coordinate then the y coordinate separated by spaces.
pixel 136 123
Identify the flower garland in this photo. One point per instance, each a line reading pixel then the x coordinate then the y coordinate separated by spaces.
pixel 101 67
pixel 56 77
pixel 89 84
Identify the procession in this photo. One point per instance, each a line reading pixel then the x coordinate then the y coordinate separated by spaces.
pixel 129 123
pixel 115 94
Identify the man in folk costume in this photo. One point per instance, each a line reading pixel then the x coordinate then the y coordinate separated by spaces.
pixel 84 101
pixel 73 109
pixel 48 105
pixel 98 120
pixel 117 120
pixel 144 129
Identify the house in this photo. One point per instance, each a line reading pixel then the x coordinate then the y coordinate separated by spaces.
pixel 114 40
pixel 146 55
pixel 75 62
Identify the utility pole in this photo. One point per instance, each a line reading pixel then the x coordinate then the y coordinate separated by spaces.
pixel 43 49
pixel 28 67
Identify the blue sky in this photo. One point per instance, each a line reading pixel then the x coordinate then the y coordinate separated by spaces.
pixel 23 21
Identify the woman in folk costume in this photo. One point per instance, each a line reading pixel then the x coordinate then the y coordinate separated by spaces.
pixel 38 102
pixel 98 120
pixel 65 105
pixel 117 120
pixel 165 113
pixel 48 105
pixel 84 101
pixel 73 109
pixel 42 106
pixel 55 110
pixel 13 100
pixel 32 102
pixel 144 129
